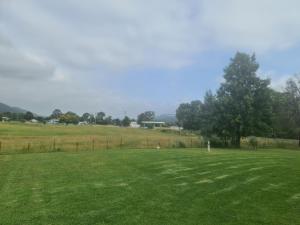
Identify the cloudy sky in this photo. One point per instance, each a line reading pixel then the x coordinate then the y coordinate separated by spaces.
pixel 128 56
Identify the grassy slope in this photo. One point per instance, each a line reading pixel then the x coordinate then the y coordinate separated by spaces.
pixel 151 187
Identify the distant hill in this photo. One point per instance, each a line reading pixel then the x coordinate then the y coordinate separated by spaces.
pixel 7 108
pixel 167 118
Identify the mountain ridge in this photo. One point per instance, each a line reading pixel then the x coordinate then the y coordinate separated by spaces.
pixel 12 109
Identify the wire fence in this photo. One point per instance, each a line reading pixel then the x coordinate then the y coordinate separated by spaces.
pixel 268 143
pixel 93 143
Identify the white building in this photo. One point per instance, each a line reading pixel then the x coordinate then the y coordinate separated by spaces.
pixel 53 121
pixel 152 123
pixel 34 121
pixel 5 119
pixel 83 123
pixel 177 128
pixel 134 125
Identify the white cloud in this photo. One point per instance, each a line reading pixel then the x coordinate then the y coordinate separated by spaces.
pixel 278 81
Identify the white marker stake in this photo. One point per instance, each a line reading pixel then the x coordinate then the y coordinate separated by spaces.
pixel 208 146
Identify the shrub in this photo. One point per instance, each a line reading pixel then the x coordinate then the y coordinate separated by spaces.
pixel 253 142
pixel 181 144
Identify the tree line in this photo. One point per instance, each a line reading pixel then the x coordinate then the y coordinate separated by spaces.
pixel 88 118
pixel 244 105
pixel 69 117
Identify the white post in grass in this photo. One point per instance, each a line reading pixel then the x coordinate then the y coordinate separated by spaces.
pixel 208 146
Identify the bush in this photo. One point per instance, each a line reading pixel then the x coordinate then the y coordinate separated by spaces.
pixel 253 142
pixel 181 144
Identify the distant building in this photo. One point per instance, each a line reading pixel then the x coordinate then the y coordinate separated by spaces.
pixel 4 119
pixel 152 124
pixel 83 123
pixel 134 125
pixel 34 121
pixel 53 121
pixel 175 128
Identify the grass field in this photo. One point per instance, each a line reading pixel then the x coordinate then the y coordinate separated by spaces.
pixel 30 138
pixel 179 186
pixel 21 138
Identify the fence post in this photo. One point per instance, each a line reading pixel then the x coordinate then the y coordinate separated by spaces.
pixel 106 142
pixel 54 145
pixel 147 142
pixel 0 146
pixel 93 144
pixel 77 145
pixel 121 142
pixel 28 147
pixel 191 143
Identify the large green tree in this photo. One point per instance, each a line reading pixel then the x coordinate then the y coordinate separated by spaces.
pixel 243 100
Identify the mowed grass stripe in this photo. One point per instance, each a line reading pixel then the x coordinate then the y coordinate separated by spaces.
pixel 151 187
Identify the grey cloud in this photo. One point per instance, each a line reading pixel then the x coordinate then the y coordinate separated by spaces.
pixel 111 33
pixel 43 96
pixel 17 65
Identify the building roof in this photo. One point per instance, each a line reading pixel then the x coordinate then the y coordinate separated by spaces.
pixel 152 122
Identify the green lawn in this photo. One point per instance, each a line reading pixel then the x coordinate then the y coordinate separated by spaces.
pixel 151 187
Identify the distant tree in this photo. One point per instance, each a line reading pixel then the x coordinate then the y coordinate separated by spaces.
pixel 100 118
pixel 189 115
pixel 41 119
pixel 126 121
pixel 69 118
pixel 146 116
pixel 108 120
pixel 13 116
pixel 16 116
pixel 92 119
pixel 117 122
pixel 28 116
pixel 289 117
pixel 292 91
pixel 56 114
pixel 86 117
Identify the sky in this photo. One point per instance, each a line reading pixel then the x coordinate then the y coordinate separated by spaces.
pixel 129 56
